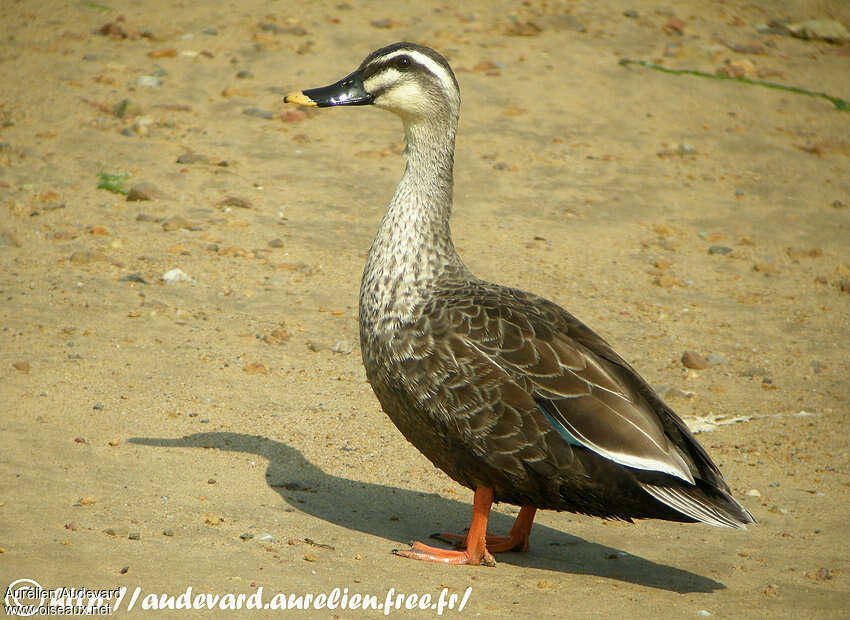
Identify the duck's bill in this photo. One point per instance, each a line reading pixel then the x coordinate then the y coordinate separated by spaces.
pixel 348 91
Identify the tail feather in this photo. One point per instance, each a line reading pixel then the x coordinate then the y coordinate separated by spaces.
pixel 713 506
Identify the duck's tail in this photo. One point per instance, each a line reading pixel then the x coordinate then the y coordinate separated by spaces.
pixel 702 502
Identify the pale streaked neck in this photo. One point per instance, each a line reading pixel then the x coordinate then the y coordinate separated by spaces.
pixel 413 245
pixel 416 223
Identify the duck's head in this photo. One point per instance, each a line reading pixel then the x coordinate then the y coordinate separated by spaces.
pixel 410 80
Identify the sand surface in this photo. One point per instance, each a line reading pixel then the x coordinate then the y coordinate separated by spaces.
pixel 148 427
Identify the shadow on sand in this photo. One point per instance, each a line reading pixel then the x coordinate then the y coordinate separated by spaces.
pixel 366 507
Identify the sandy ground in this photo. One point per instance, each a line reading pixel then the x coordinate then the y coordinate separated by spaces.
pixel 150 428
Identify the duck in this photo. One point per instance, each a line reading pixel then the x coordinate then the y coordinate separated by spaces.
pixel 506 392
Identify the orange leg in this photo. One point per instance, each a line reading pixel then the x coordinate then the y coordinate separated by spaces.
pixel 475 551
pixel 517 540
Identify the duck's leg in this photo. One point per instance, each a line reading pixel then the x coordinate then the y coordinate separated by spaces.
pixel 517 540
pixel 475 550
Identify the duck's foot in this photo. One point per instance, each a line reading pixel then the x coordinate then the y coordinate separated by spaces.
pixel 475 544
pixel 517 540
pixel 421 551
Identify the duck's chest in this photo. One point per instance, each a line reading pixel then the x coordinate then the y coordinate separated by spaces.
pixel 395 337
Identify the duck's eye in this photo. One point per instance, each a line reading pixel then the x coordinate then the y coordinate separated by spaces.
pixel 402 63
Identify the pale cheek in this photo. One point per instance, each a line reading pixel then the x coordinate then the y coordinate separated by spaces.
pixel 405 97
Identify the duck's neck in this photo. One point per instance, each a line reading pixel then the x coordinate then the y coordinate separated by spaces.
pixel 413 246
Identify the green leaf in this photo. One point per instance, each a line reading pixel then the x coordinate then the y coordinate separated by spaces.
pixel 112 182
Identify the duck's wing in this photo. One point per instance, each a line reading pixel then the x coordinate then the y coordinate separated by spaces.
pixel 591 396
pixel 586 397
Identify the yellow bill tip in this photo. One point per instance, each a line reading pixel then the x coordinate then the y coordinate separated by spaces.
pixel 299 98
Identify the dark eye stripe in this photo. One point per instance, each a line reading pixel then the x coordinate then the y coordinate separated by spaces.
pixel 392 63
pixel 424 69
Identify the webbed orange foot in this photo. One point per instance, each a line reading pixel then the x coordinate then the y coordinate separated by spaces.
pixel 516 541
pixel 420 551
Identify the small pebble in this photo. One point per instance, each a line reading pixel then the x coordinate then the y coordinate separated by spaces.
pixel 342 347
pixel 745 48
pixel 265 537
pixel 674 25
pixel 176 275
pixel 258 112
pixel 192 158
pixel 168 532
pixel 235 201
pixel 168 52
pixel 276 243
pixel 693 360
pixel 134 536
pixel 144 191
pixel 148 81
pixel 176 222
pixel 772 28
pixel 21 366
pixel 97 407
pixel 246 536
pixel 126 108
pixel 719 249
pixel 124 570
pixel 715 360
pixel 255 368
pixel 133 277
pixel 823 29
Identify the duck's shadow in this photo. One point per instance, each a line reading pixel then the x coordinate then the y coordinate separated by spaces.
pixel 402 515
